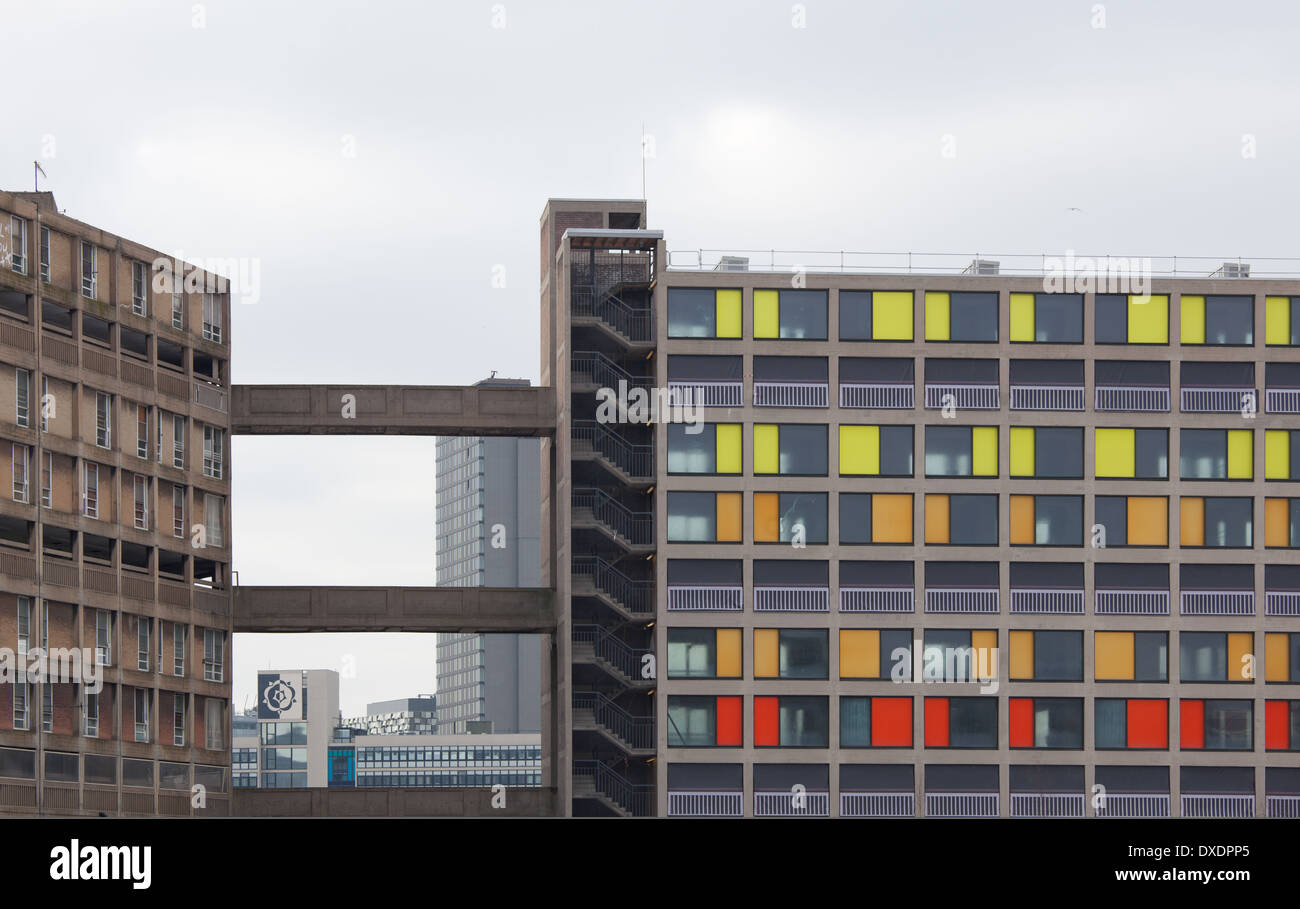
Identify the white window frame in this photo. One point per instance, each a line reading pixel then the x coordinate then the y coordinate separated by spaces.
pixel 142 431
pixel 212 317
pixel 140 493
pixel 22 397
pixel 47 479
pixel 213 656
pixel 141 707
pixel 45 396
pixel 90 490
pixel 178 512
pixel 22 468
pixel 104 420
pixel 90 713
pixel 139 287
pixel 143 627
pixel 89 282
pixel 47 706
pixel 214 445
pixel 103 638
pixel 213 519
pixel 18 244
pixel 45 254
pixel 178 301
pixel 178 441
pixel 178 719
pixel 22 706
pixel 178 650
pixel 214 725
pixel 24 625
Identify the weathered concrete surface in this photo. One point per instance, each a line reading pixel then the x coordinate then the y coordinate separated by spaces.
pixel 524 610
pixel 381 802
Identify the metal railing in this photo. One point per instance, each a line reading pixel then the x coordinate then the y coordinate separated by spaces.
pixel 969 396
pixel 601 370
pixel 636 731
pixel 877 804
pixel 961 804
pixel 1216 602
pixel 956 599
pixel 1218 400
pixel 1282 400
pixel 1131 398
pixel 1131 602
pixel 637 527
pixel 632 322
pixel 1279 602
pixel 791 394
pixel 878 395
pixel 706 804
pixel 1286 806
pixel 1132 804
pixel 689 393
pixel 1047 397
pixel 634 798
pixel 700 598
pixel 877 599
pixel 636 596
pixel 1047 602
pixel 790 804
pixel 791 599
pixel 1047 804
pixel 634 460
pixel 606 646
pixel 1218 805
pixel 210 396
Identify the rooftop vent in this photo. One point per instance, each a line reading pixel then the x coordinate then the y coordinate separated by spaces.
pixel 982 267
pixel 1232 270
pixel 732 263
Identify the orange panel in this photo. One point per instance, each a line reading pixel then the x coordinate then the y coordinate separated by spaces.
pixel 1022 519
pixel 767 522
pixel 1148 723
pixel 1148 521
pixel 1191 510
pixel 891 722
pixel 891 518
pixel 767 727
pixel 729 721
pixel 936 519
pixel 729 519
pixel 1277 522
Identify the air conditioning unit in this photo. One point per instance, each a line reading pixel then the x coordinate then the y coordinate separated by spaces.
pixel 1232 270
pixel 732 263
pixel 982 267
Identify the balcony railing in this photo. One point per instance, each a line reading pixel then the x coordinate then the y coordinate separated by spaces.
pixel 1047 804
pixel 1219 805
pixel 637 527
pixel 1217 602
pixel 1282 400
pixel 1131 602
pixel 789 804
pixel 1131 398
pixel 956 599
pixel 877 599
pixel 634 460
pixel 210 396
pixel 706 804
pixel 791 394
pixel 962 396
pixel 1285 806
pixel 1281 602
pixel 877 804
pixel 878 395
pixel 1047 602
pixel 699 598
pixel 1047 397
pixel 1132 804
pixel 1219 400
pixel 613 650
pixel 689 393
pixel 791 599
pixel 961 804
pixel 636 596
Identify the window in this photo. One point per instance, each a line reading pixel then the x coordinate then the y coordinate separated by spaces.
pixel 790 314
pixel 875 518
pixel 178 650
pixel 213 656
pixel 883 654
pixel 103 420
pixel 875 722
pixel 704 653
pixel 1131 723
pixel 178 444
pixel 20 465
pixel 704 517
pixel 1132 319
pixel 139 287
pixel 142 702
pixel 790 449
pixel 1281 656
pixel 962 316
pixel 18 244
pixel 1047 453
pixel 90 490
pixel 1216 724
pixel 875 451
pixel 1216 454
pixel 212 317
pixel 1046 520
pixel 716 449
pixel 178 511
pixel 968 722
pixel 47 404
pixel 961 451
pixel 698 312
pixel 90 716
pixel 790 517
pixel 22 709
pixel 1133 520
pixel 178 719
pixel 961 520
pixel 24 625
pixel 141 494
pixel 1216 656
pixel 213 511
pixel 1281 454
pixel 89 270
pixel 213 451
pixel 882 315
pixel 1216 521
pixel 142 431
pixel 47 706
pixel 142 632
pixel 45 254
pixel 1281 321
pixel 791 722
pixel 1045 722
pixel 22 397
pixel 704 721
pixel 1047 318
pixel 214 723
pixel 103 637
pixel 791 653
pixel 958 655
pixel 1217 320
pixel 178 301
pixel 1141 454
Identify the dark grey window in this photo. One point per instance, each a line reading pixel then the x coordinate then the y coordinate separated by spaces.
pixel 689 453
pixel 1058 722
pixel 1058 318
pixel 973 316
pixel 19 763
pixel 692 312
pixel 855 721
pixel 101 768
pixel 1229 320
pixel 948 451
pixel 692 721
pixel 1058 656
pixel 947 654
pixel 1151 454
pixel 973 520
pixel 1111 512
pixel 137 773
pixel 855 315
pixel 1229 725
pixel 1058 520
pixel 855 518
pixel 1110 312
pixel 1228 522
pixel 804 722
pixel 806 509
pixel 1058 452
pixel 1202 656
pixel 692 653
pixel 972 722
pixel 1203 454
pixel 804 653
pixel 1111 719
pixel 692 517
pixel 61 766
pixel 802 449
pixel 803 314
pixel 1151 656
pixel 173 776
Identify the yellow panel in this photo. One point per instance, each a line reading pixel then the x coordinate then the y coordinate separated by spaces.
pixel 1277 454
pixel 1148 323
pixel 767 448
pixel 767 523
pixel 891 518
pixel 767 653
pixel 1022 519
pixel 730 459
pixel 1192 329
pixel 1022 451
pixel 1022 655
pixel 767 314
pixel 936 316
pixel 1148 521
pixel 1022 317
pixel 891 315
pixel 1241 454
pixel 729 520
pixel 729 657
pixel 986 642
pixel 1277 657
pixel 984 451
pixel 1240 644
pixel 859 450
pixel 936 518
pixel 1114 656
pixel 1191 511
pixel 1277 320
pixel 859 653
pixel 729 320
pixel 1277 522
pixel 1116 452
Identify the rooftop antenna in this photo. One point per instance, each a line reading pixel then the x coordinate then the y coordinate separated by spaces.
pixel 37 173
pixel 494 374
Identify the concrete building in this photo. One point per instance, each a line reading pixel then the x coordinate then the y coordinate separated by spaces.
pixel 114 536
pixel 489 534
pixel 902 466
pixel 404 716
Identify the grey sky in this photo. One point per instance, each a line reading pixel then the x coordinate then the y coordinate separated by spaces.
pixel 230 140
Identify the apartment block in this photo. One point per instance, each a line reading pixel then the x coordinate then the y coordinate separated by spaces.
pixel 931 538
pixel 114 535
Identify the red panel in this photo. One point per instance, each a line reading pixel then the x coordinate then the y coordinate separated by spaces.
pixel 767 727
pixel 1277 725
pixel 1148 723
pixel 936 723
pixel 891 722
pixel 730 710
pixel 1022 722
pixel 1191 718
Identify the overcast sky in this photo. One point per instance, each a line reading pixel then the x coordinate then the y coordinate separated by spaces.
pixel 378 160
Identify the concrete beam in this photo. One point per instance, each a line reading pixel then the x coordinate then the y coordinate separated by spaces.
pixel 524 610
pixel 382 802
pixel 412 410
